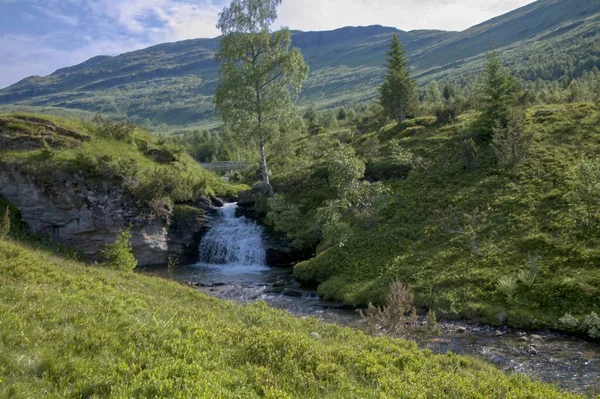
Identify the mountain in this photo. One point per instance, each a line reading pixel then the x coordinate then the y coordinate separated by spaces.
pixel 170 86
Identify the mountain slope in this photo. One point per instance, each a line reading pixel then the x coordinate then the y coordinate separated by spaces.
pixel 172 84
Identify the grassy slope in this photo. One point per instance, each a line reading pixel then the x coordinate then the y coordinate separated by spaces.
pixel 101 155
pixel 527 214
pixel 68 330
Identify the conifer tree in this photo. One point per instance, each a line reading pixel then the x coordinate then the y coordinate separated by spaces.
pixel 497 95
pixel 398 93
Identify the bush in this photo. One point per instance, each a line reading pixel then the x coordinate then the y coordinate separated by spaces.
pixel 584 198
pixel 397 314
pixel 5 224
pixel 448 112
pixel 590 325
pixel 122 131
pixel 119 254
pixel 511 144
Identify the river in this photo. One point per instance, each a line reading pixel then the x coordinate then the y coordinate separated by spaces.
pixel 232 266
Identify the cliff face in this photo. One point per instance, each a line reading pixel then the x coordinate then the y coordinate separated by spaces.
pixel 85 216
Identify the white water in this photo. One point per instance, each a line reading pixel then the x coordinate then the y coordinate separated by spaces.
pixel 234 245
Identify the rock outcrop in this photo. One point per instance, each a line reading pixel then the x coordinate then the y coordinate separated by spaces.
pixel 85 216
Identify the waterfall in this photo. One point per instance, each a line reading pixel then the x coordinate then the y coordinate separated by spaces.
pixel 233 241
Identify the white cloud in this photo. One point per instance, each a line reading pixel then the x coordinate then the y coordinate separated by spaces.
pixel 402 14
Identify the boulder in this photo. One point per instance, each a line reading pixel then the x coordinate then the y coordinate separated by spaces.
pixel 188 226
pixel 86 216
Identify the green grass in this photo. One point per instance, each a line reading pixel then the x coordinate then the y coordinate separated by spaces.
pixel 527 216
pixel 126 162
pixel 70 330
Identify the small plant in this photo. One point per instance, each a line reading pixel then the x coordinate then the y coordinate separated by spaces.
pixel 119 254
pixel 507 286
pixel 5 224
pixel 122 131
pixel 528 275
pixel 392 318
pixel 467 225
pixel 47 151
pixel 511 144
pixel 172 265
pixel 468 150
pixel 431 321
pixel 590 325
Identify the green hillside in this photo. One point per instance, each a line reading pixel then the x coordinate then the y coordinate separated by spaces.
pixel 53 149
pixel 170 86
pixel 431 206
pixel 70 330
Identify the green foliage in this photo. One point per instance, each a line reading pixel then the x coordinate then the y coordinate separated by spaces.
pixel 132 164
pixel 431 321
pixel 522 223
pixel 394 316
pixel 5 224
pixel 70 330
pixel 512 143
pixel 122 131
pixel 588 325
pixel 584 199
pixel 507 286
pixel 398 94
pixel 259 71
pixel 119 255
pixel 497 95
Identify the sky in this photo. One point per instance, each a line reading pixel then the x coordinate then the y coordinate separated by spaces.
pixel 39 36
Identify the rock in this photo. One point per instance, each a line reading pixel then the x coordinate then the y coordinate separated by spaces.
pixel 499 333
pixel 293 293
pixel 315 335
pixel 461 330
pixel 187 227
pixel 281 253
pixel 521 334
pixel 279 284
pixel 524 339
pixel 536 337
pixel 86 216
pixel 273 290
pixel 532 351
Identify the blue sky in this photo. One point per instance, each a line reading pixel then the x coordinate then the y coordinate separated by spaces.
pixel 39 36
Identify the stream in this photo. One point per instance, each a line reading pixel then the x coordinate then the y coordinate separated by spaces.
pixel 232 266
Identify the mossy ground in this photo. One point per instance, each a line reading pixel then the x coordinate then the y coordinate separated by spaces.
pixel 70 330
pixel 128 162
pixel 524 216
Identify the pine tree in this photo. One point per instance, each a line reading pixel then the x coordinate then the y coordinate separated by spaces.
pixel 497 95
pixel 398 93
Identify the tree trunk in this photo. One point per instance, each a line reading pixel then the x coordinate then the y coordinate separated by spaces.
pixel 401 116
pixel 265 171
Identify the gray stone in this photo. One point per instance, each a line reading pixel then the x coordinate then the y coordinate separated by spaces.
pixel 87 216
pixel 461 329
pixel 315 335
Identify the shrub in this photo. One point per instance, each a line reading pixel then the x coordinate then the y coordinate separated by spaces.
pixel 122 131
pixel 431 321
pixel 512 143
pixel 590 325
pixel 468 151
pixel 397 314
pixel 119 254
pixel 5 224
pixel 507 286
pixel 584 198
pixel 448 112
